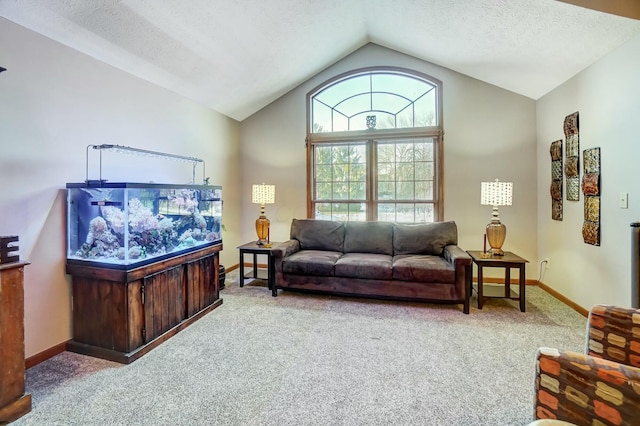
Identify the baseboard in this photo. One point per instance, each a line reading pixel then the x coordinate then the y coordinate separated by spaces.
pixel 570 303
pixel 232 268
pixel 45 355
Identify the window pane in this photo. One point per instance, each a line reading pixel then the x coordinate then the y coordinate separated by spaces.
pixel 405 118
pixel 387 212
pixel 340 211
pixel 340 173
pixel 404 152
pixel 323 191
pixel 342 89
pixel 355 104
pixel 424 190
pixel 323 154
pixel 397 99
pixel 340 191
pixel 405 213
pixel 426 110
pixel 424 171
pixel 405 191
pixel 405 172
pixel 383 120
pixel 357 211
pixel 386 153
pixel 321 118
pixel 323 173
pixel 340 123
pixel 357 191
pixel 386 172
pixel 386 190
pixel 388 102
pixel 357 172
pixel 424 213
pixel 323 211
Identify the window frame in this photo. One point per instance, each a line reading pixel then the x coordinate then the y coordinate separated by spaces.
pixel 369 135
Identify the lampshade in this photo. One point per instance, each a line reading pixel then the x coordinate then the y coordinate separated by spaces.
pixel 263 194
pixel 496 194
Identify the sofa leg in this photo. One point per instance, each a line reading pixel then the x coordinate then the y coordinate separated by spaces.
pixel 274 291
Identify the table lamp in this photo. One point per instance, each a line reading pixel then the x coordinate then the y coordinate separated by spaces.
pixel 496 194
pixel 263 194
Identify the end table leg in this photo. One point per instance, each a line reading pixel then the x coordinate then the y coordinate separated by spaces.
pixel 241 278
pixel 507 282
pixel 480 301
pixel 523 285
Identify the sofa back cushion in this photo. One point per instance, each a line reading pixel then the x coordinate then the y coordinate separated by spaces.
pixel 315 234
pixel 423 238
pixel 369 237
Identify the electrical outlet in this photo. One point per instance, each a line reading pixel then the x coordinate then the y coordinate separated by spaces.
pixel 547 263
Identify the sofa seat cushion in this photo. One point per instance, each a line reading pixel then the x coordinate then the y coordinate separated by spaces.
pixel 425 268
pixel 311 262
pixel 364 265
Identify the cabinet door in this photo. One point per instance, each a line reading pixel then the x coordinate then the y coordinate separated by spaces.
pixel 202 283
pixel 164 301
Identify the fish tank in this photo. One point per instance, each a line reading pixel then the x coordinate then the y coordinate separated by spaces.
pixel 126 225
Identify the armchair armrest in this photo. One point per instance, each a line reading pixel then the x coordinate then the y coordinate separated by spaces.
pixel 285 249
pixel 613 333
pixel 580 388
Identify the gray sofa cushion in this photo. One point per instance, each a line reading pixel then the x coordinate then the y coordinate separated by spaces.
pixel 368 237
pixel 311 262
pixel 424 238
pixel 364 265
pixel 426 268
pixel 318 234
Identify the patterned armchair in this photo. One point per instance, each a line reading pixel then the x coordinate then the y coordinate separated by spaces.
pixel 601 387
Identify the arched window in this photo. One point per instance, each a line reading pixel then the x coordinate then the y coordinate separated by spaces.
pixel 374 144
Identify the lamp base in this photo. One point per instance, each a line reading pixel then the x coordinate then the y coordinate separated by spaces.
pixel 262 229
pixel 496 233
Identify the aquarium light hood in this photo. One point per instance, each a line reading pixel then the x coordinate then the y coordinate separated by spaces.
pixel 145 153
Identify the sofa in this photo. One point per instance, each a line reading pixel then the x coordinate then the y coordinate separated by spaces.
pixel 375 259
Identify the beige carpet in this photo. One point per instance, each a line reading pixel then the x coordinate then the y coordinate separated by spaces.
pixel 302 359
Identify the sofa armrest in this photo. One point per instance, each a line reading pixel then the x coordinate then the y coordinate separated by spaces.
pixel 454 254
pixel 578 388
pixel 613 333
pixel 285 249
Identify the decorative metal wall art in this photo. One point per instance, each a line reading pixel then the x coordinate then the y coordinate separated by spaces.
pixel 591 191
pixel 371 122
pixel 556 179
pixel 572 154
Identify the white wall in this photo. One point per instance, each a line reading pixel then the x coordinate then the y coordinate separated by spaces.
pixel 607 96
pixel 489 133
pixel 54 101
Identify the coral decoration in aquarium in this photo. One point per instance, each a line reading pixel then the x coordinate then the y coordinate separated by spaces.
pixel 134 224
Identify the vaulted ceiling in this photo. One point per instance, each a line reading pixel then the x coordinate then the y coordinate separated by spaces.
pixel 238 56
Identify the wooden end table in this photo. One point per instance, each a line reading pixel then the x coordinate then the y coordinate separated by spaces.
pixel 508 261
pixel 254 249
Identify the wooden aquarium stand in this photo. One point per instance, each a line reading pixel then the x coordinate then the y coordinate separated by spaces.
pixel 14 402
pixel 121 315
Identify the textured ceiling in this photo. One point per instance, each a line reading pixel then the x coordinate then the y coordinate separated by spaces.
pixel 238 56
